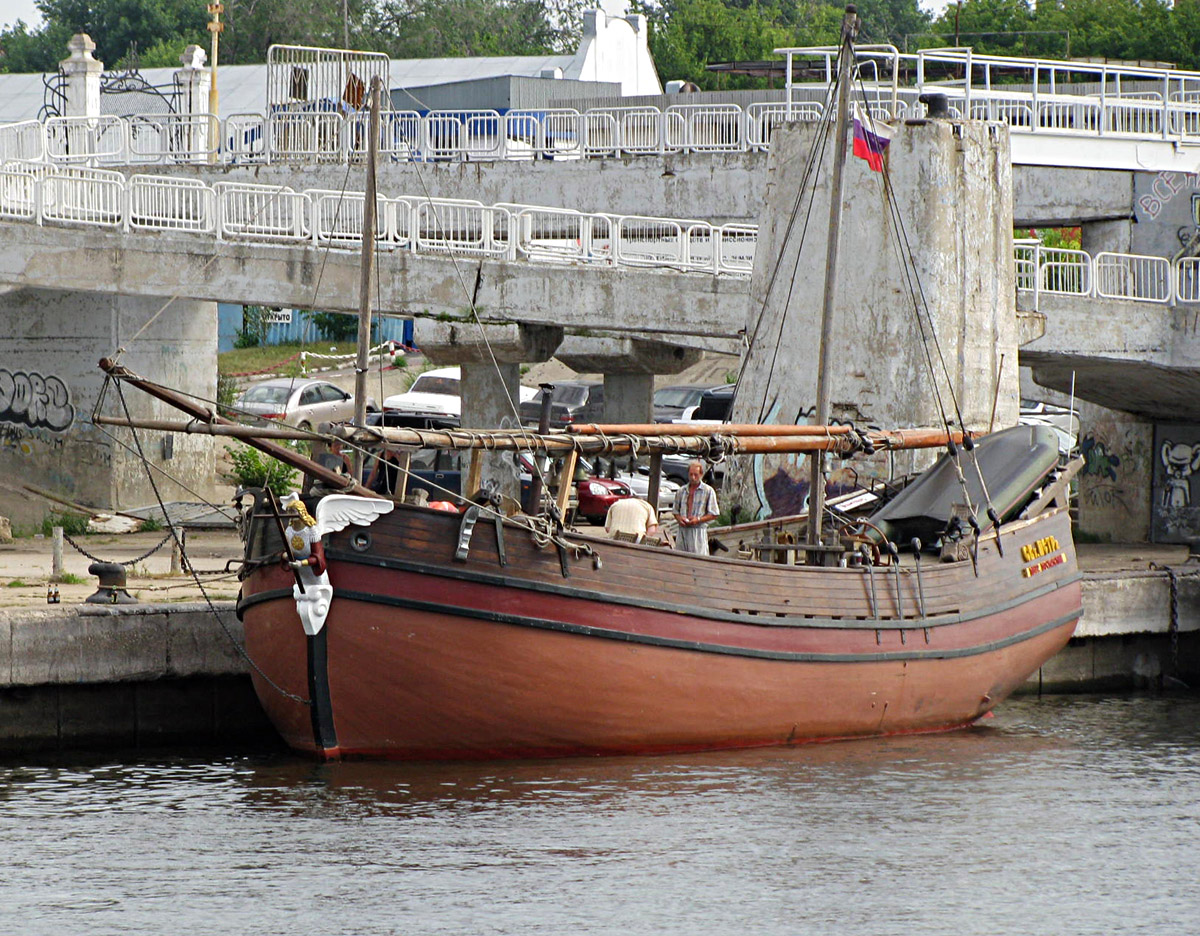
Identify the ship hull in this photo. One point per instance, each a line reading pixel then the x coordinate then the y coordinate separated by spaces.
pixel 521 649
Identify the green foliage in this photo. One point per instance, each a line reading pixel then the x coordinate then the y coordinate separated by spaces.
pixel 253 332
pixel 227 394
pixel 334 326
pixel 70 578
pixel 73 524
pixel 150 525
pixel 17 583
pixel 251 468
pixel 452 28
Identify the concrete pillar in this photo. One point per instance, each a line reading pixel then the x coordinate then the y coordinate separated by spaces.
pixel 628 366
pixel 50 343
pixel 1116 482
pixel 194 81
pixel 628 398
pixel 487 390
pixel 490 357
pixel 1100 236
pixel 951 182
pixel 83 77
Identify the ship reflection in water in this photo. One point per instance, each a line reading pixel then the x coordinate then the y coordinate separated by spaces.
pixel 1058 815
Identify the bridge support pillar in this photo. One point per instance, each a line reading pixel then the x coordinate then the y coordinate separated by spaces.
pixel 490 357
pixel 628 366
pixel 50 343
pixel 83 77
pixel 951 185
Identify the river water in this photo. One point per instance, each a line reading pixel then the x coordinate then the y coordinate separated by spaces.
pixel 1058 816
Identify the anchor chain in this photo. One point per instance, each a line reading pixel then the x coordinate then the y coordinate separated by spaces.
pixel 129 562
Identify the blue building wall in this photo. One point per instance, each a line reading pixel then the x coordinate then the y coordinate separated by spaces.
pixel 300 330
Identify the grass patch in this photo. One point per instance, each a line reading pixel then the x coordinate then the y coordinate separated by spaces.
pixel 17 583
pixel 252 360
pixel 70 578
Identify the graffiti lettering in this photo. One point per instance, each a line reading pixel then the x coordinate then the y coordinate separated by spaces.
pixel 1166 186
pixel 37 401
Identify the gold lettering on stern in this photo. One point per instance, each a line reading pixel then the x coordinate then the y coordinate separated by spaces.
pixel 1031 552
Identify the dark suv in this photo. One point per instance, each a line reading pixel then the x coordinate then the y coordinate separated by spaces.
pixel 573 401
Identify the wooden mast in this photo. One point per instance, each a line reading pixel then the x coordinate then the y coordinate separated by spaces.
pixel 816 491
pixel 364 286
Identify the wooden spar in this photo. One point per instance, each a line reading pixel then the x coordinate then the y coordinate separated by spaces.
pixel 267 447
pixel 192 427
pixel 700 429
pixel 712 446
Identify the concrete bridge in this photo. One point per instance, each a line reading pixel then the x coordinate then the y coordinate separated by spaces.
pixel 1101 172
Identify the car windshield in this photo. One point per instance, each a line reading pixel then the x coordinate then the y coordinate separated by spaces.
pixel 447 386
pixel 676 396
pixel 275 394
pixel 569 394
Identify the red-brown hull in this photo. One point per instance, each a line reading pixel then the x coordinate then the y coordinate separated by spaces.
pixel 428 659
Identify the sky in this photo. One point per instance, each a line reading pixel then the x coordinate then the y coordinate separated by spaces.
pixel 13 10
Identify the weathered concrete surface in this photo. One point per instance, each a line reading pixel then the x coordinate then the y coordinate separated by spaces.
pixel 469 343
pixel 716 187
pixel 1126 638
pixel 952 185
pixel 420 285
pixel 76 677
pixel 97 644
pixel 52 340
pixel 1139 357
pixel 1053 196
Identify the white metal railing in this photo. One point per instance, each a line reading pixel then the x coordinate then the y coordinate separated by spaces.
pixel 1049 97
pixel 241 211
pixel 1132 277
pixel 333 136
pixel 45 193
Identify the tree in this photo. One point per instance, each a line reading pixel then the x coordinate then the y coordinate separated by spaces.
pixel 454 28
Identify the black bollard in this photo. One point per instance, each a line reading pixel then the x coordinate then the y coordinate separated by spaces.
pixel 112 584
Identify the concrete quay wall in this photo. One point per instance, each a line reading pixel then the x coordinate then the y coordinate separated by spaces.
pixel 77 677
pixel 90 676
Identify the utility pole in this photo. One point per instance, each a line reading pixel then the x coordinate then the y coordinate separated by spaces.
pixel 216 27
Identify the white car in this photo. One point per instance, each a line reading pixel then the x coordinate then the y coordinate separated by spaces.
pixel 435 393
pixel 299 402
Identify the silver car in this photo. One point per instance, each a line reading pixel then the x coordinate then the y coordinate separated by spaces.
pixel 299 402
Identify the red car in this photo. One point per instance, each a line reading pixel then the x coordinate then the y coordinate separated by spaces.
pixel 594 494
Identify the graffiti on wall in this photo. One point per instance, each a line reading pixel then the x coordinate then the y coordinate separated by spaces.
pixel 1175 507
pixel 35 401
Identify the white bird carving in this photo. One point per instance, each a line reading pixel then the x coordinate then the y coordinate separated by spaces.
pixel 333 512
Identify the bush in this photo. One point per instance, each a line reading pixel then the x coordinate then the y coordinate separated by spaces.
pixel 254 327
pixel 227 394
pixel 251 468
pixel 335 326
pixel 73 524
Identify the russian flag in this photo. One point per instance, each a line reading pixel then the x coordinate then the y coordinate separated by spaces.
pixel 871 139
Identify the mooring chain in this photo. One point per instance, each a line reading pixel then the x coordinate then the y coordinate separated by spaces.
pixel 129 562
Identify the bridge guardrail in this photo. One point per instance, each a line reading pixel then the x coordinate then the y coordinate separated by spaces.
pixel 447 136
pixel 244 211
pixel 75 195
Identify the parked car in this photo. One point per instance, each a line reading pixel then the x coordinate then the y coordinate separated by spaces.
pixel 436 393
pixel 715 403
pixel 299 402
pixel 594 493
pixel 671 403
pixel 573 401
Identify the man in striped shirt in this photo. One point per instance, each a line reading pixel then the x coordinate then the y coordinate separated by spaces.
pixel 695 508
